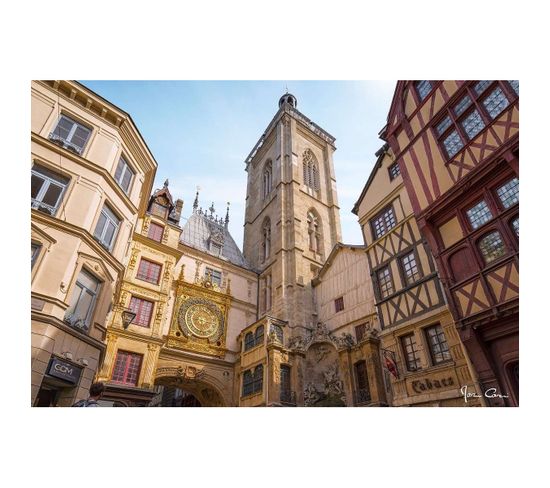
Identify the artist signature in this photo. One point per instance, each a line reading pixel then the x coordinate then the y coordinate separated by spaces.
pixel 490 393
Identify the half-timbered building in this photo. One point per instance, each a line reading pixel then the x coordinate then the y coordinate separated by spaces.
pixel 422 355
pixel 457 147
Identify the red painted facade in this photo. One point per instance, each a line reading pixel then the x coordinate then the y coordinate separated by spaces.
pixel 457 145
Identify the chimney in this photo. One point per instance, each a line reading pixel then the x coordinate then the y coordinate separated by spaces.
pixel 178 209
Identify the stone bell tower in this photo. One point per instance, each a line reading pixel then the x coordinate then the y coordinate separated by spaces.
pixel 292 216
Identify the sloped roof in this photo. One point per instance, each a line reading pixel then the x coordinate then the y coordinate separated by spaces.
pixel 200 229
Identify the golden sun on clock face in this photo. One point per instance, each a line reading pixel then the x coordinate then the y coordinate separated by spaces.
pixel 200 318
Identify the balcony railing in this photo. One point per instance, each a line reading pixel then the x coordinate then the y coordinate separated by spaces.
pixel 66 144
pixel 43 207
pixel 288 397
pixel 362 396
pixel 77 323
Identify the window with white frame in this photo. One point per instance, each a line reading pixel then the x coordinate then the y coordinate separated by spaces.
pixel 83 300
pixel 124 175
pixel 107 227
pixel 47 189
pixel 71 134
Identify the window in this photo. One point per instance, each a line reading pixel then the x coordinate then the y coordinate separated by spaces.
pixel 383 223
pixel 339 304
pixel 311 171
pixel 107 227
pixel 158 210
pixel 361 376
pixel 277 330
pixel 266 239
pixel 127 368
pixel 259 336
pixel 360 331
pixel 253 382
pixel 248 383
pixel 482 102
pixel 71 134
pixel 515 85
pixel 492 247
pixel 215 275
pixel 155 232
pixel 439 349
pixel 285 378
pixel 83 299
pixel 314 232
pixel 46 189
pixel 412 360
pixel 509 193
pixel 258 378
pixel 385 284
pixel 249 341
pixel 394 171
pixel 215 248
pixel 423 88
pixel 479 214
pixel 143 310
pixel 35 251
pixel 267 180
pixel 124 175
pixel 515 226
pixel 148 271
pixel 410 269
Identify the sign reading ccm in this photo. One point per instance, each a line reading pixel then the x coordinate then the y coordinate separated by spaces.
pixel 65 371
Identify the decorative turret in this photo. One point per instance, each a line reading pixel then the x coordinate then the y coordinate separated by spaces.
pixel 288 98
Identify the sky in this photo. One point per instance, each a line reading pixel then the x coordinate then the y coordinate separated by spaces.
pixel 200 133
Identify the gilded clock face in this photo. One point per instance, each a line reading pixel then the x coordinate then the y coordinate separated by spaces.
pixel 199 317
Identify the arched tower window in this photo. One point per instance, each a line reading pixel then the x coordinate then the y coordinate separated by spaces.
pixel 266 239
pixel 314 232
pixel 311 170
pixel 267 178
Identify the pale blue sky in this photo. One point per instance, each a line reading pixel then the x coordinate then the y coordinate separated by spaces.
pixel 200 133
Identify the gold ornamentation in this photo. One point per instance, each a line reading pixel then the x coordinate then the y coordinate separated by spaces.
pixel 201 318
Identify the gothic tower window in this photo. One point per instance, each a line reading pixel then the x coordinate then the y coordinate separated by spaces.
pixel 266 299
pixel 311 170
pixel 314 232
pixel 266 239
pixel 268 178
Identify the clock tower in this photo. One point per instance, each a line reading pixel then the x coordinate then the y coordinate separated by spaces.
pixel 292 219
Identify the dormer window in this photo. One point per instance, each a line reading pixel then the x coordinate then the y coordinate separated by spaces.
pixel 159 210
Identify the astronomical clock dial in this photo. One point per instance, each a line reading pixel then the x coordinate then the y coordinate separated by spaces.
pixel 201 318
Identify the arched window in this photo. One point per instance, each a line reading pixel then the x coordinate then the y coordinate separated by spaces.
pixel 266 239
pixel 259 336
pixel 258 378
pixel 268 178
pixel 311 170
pixel 314 232
pixel 248 341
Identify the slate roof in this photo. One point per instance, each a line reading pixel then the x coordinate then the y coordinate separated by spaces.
pixel 200 229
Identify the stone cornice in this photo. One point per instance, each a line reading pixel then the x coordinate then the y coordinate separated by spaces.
pixel 37 216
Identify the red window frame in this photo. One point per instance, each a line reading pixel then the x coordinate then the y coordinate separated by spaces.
pixel 476 103
pixel 143 310
pixel 127 368
pixel 149 271
pixel 155 231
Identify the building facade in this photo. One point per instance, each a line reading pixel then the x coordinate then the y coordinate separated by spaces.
pixel 457 147
pixel 422 354
pixel 89 166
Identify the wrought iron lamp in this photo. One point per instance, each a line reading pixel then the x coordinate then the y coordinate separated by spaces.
pixel 127 317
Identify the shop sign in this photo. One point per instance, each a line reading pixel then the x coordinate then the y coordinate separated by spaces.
pixel 427 385
pixel 63 370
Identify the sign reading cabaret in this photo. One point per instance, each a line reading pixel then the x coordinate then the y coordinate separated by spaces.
pixel 64 371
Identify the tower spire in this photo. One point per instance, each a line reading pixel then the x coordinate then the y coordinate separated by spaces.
pixel 196 202
pixel 227 215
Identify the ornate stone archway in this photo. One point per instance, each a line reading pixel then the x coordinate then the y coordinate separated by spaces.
pixel 195 381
